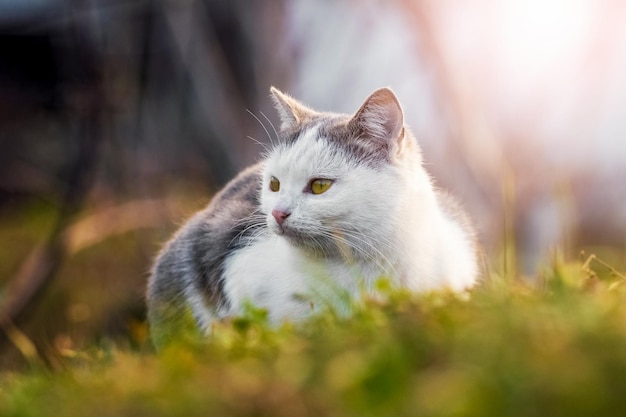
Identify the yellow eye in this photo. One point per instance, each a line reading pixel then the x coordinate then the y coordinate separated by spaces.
pixel 274 184
pixel 319 186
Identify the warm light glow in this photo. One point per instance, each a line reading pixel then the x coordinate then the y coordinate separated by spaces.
pixel 537 38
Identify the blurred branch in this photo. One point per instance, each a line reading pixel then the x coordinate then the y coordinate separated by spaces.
pixel 115 221
pixel 40 265
pixel 21 342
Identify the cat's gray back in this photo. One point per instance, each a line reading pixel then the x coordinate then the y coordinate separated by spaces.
pixel 193 260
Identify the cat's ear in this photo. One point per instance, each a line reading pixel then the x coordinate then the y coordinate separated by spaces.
pixel 380 118
pixel 292 113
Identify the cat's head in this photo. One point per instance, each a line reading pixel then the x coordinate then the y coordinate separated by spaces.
pixel 333 182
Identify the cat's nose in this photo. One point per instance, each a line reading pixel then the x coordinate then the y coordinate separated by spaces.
pixel 280 215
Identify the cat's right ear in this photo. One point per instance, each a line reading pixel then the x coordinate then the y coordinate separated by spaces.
pixel 380 117
pixel 380 122
pixel 292 113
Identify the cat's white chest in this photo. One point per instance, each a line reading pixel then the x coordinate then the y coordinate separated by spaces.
pixel 274 275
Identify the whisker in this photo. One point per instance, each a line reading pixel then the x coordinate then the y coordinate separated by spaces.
pixel 379 239
pixel 247 222
pixel 262 125
pixel 368 257
pixel 240 234
pixel 333 236
pixel 258 142
pixel 331 232
pixel 372 247
pixel 256 212
pixel 255 235
pixel 273 127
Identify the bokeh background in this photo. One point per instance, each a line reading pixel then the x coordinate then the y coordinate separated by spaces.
pixel 118 119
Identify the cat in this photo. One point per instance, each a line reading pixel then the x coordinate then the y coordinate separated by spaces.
pixel 338 202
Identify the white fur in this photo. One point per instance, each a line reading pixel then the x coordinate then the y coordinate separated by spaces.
pixel 275 275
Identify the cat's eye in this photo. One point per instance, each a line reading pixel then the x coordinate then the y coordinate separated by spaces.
pixel 320 185
pixel 274 184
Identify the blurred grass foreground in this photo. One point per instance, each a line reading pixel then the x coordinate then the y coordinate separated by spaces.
pixel 555 348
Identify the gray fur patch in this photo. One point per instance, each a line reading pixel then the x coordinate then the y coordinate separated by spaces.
pixel 339 132
pixel 195 256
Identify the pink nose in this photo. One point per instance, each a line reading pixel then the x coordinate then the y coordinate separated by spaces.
pixel 280 215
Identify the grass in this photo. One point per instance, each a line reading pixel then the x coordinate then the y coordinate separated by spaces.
pixel 557 347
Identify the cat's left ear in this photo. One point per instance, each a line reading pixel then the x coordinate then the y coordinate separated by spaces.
pixel 381 119
pixel 292 113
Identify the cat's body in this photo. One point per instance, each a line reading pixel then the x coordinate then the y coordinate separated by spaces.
pixel 339 200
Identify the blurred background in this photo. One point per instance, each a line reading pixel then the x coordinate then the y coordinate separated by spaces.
pixel 118 119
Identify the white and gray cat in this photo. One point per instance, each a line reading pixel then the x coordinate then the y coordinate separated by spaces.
pixel 337 197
